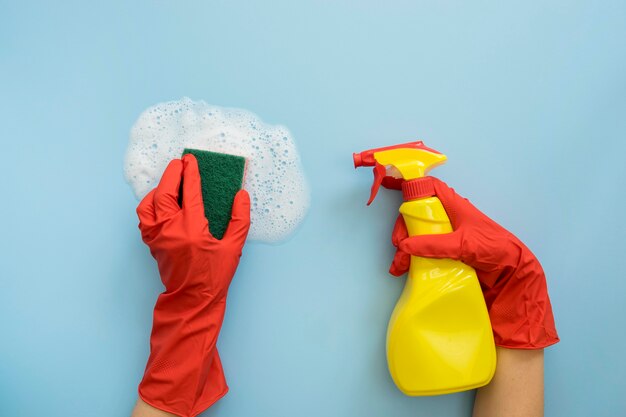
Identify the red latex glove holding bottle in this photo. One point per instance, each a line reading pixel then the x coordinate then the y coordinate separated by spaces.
pixel 184 373
pixel 513 281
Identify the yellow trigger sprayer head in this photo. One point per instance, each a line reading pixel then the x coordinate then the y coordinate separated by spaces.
pixel 412 160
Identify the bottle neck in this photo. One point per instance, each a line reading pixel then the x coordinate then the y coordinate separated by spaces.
pixel 418 188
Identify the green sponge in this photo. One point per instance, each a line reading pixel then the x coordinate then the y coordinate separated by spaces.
pixel 221 176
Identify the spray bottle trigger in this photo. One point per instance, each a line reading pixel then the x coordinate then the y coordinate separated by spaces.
pixel 379 173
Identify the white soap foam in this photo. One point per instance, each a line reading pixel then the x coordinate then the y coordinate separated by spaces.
pixel 274 177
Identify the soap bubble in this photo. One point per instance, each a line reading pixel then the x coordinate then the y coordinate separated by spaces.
pixel 274 177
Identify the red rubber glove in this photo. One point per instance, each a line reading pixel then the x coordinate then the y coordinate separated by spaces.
pixel 513 282
pixel 184 373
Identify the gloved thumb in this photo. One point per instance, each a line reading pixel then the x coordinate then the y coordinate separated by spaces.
pixel 447 245
pixel 237 230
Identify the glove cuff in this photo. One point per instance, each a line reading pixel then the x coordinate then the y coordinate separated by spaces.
pixel 418 188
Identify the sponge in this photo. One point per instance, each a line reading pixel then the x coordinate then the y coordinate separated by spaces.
pixel 221 176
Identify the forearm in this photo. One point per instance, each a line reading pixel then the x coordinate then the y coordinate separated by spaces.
pixel 516 389
pixel 145 410
pixel 184 373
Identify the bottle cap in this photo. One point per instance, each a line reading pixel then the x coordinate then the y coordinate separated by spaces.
pixel 418 188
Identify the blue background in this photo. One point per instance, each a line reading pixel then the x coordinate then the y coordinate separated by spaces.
pixel 527 99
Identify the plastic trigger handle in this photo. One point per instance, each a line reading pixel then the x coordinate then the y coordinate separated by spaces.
pixel 379 173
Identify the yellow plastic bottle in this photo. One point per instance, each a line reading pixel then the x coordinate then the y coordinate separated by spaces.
pixel 439 338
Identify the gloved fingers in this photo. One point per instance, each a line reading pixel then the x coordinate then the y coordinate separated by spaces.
pixel 192 184
pixel 400 264
pixel 446 245
pixel 399 232
pixel 145 209
pixel 166 194
pixel 401 260
pixel 237 229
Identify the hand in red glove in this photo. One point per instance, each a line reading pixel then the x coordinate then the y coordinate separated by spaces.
pixel 513 282
pixel 184 374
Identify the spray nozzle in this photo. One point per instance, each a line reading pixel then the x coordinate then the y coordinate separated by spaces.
pixel 411 160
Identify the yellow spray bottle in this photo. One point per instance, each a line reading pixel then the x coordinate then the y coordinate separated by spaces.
pixel 439 338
